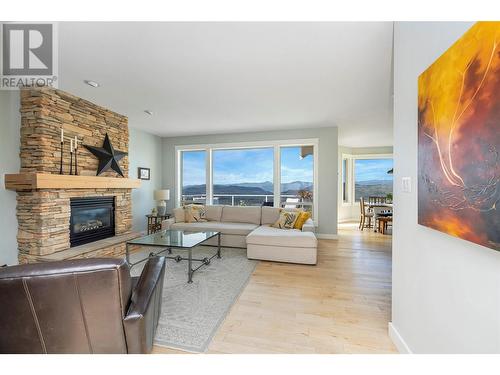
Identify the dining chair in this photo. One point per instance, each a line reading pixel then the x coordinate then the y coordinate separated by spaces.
pixel 364 215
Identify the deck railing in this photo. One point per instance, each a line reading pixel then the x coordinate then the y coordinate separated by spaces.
pixel 245 199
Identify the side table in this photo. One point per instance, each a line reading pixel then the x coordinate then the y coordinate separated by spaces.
pixel 154 222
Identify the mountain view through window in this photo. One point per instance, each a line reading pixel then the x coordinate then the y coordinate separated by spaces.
pixel 372 178
pixel 245 177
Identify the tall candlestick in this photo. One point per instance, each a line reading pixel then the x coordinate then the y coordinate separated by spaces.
pixel 71 156
pixel 62 146
pixel 76 153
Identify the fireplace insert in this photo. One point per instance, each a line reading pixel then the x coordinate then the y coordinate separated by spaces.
pixel 92 219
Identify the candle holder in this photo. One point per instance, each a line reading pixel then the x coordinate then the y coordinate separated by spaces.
pixel 76 156
pixel 73 149
pixel 61 162
pixel 62 151
pixel 71 157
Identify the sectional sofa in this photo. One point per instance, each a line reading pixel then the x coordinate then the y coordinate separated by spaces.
pixel 250 228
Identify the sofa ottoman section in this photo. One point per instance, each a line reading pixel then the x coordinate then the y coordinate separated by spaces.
pixel 278 245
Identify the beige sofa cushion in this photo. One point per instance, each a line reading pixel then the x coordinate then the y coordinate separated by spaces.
pixel 228 240
pixel 241 214
pixel 179 214
pixel 301 255
pixel 271 236
pixel 270 215
pixel 308 226
pixel 214 213
pixel 240 229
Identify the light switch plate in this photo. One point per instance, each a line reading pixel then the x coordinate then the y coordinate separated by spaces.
pixel 406 184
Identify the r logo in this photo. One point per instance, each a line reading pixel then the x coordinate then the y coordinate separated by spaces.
pixel 27 49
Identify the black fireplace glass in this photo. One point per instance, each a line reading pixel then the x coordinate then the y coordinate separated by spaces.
pixel 92 219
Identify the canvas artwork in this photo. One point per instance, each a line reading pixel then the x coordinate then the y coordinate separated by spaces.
pixel 459 139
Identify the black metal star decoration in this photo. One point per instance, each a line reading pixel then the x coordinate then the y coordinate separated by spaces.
pixel 108 156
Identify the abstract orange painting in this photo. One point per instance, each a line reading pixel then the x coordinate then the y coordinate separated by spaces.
pixel 459 139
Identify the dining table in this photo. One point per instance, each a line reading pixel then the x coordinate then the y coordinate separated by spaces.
pixel 377 209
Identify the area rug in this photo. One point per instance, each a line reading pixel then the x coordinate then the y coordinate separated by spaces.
pixel 191 313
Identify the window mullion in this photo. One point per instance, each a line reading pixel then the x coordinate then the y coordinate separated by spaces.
pixel 208 176
pixel 179 165
pixel 277 176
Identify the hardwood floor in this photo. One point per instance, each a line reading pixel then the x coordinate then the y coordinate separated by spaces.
pixel 342 305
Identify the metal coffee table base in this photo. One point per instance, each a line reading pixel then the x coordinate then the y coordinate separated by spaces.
pixel 204 262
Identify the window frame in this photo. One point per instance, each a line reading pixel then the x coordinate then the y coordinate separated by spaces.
pixel 351 174
pixel 179 169
pixel 276 145
pixel 348 163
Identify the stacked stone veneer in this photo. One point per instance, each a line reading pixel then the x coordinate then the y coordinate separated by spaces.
pixel 45 111
pixel 43 215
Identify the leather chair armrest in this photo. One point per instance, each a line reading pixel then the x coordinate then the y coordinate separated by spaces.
pixel 165 224
pixel 308 226
pixel 145 307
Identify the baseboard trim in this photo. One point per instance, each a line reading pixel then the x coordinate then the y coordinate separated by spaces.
pixel 398 340
pixel 327 236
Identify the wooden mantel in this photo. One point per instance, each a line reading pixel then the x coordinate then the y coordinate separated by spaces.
pixel 33 181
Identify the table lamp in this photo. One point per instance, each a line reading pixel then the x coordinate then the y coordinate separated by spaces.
pixel 161 196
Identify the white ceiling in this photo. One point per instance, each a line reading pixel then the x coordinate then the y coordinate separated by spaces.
pixel 201 78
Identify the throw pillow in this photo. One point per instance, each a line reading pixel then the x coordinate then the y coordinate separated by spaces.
pixel 303 217
pixel 286 220
pixel 195 213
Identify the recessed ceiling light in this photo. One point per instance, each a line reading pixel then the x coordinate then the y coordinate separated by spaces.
pixel 148 112
pixel 92 83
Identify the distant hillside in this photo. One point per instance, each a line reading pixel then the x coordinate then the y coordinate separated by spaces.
pixel 373 188
pixel 296 186
pixel 257 188
pixel 225 189
pixel 374 182
pixel 266 185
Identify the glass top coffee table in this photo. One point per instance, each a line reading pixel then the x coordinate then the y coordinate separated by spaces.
pixel 177 239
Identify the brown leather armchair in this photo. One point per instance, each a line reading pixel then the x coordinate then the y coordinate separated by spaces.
pixel 80 306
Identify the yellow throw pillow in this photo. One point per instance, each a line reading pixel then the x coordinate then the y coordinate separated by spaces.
pixel 303 217
pixel 286 220
pixel 195 213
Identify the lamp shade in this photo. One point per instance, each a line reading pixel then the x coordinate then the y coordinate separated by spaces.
pixel 162 195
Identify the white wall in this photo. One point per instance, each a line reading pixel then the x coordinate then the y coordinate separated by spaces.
pixel 10 122
pixel 145 150
pixel 446 291
pixel 328 154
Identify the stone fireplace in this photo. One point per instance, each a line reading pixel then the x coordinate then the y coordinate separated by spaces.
pixel 54 212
